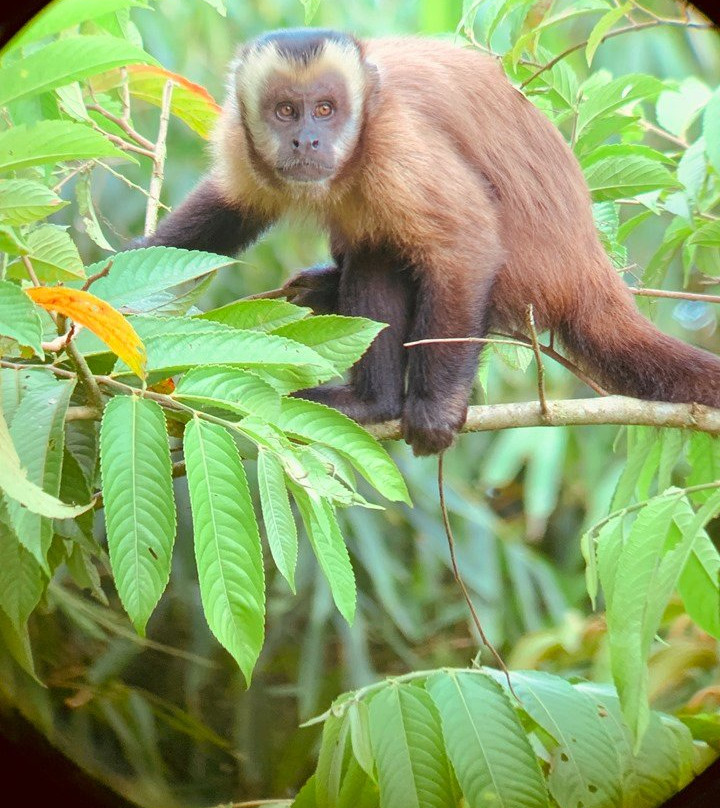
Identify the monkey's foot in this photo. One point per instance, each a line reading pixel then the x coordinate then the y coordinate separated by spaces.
pixel 429 425
pixel 344 399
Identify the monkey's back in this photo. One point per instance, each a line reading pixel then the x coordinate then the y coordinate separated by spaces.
pixel 505 141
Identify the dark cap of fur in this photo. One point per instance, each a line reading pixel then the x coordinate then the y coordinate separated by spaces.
pixel 301 44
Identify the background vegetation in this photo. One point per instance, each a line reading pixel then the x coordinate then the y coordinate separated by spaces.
pixel 166 717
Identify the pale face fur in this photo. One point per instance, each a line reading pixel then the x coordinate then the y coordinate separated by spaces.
pixel 303 120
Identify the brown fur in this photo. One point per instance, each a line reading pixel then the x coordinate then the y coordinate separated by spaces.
pixel 456 174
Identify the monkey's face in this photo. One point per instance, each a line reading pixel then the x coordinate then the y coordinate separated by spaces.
pixel 304 127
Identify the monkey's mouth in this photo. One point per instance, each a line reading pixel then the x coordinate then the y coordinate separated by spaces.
pixel 304 170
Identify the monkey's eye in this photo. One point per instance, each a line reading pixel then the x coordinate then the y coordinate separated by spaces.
pixel 323 110
pixel 285 111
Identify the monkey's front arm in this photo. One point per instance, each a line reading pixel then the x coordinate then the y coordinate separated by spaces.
pixel 205 221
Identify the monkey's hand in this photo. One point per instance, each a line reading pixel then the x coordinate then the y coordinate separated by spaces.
pixel 316 287
pixel 430 425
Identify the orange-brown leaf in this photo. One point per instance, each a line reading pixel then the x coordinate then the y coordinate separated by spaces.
pixel 98 316
pixel 190 102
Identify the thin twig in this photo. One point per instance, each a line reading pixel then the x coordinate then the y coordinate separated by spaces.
pixel 483 340
pixel 77 170
pixel 123 144
pixel 649 126
pixel 82 414
pixel 636 506
pixel 89 381
pixel 127 182
pixel 530 322
pixel 519 339
pixel 456 572
pixel 30 271
pixel 676 295
pixel 637 26
pixel 124 124
pixel 96 277
pixel 159 154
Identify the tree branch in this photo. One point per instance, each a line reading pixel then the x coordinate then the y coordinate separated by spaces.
pixel 578 412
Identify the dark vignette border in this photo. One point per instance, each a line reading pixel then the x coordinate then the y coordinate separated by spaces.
pixel 25 753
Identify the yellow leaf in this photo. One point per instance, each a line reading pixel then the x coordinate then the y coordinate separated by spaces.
pixel 97 315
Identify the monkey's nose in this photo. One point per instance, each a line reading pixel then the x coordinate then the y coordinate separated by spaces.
pixel 305 145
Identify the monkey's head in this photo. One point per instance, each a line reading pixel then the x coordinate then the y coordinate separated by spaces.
pixel 301 97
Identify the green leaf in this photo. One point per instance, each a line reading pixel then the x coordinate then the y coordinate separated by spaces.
pixel 327 542
pixel 619 150
pixel 516 357
pixel 629 625
pixel 311 7
pixel 704 459
pixel 227 542
pixel 280 527
pixel 178 344
pixel 359 718
pixel 10 241
pixel 86 208
pixel 528 41
pixel 53 254
pixel 328 774
pixel 607 549
pixel 18 645
pixel 711 130
pixel 706 236
pixel 64 61
pixel 693 170
pixel 136 275
pixel 26 201
pixel 488 748
pixel 614 178
pixel 139 502
pixel 59 16
pixel 52 142
pixel 19 318
pixel 677 109
pixel 340 340
pixel 699 585
pixel 310 421
pixel 81 440
pixel 584 767
pixel 257 315
pixel 22 582
pixel 617 93
pixel 604 24
pixel 227 388
pixel 358 790
pixel 31 461
pixel 407 741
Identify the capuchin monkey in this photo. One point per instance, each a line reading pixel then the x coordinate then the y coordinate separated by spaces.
pixel 451 203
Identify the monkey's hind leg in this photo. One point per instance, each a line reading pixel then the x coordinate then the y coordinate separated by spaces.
pixel 373 284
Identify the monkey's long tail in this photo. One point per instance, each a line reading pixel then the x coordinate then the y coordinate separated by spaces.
pixel 622 350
